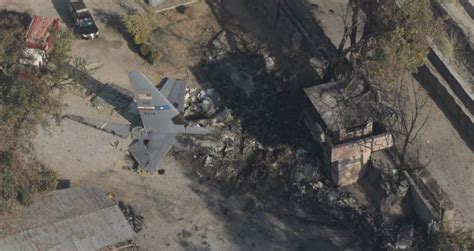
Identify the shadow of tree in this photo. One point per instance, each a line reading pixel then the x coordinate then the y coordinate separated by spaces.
pixel 114 21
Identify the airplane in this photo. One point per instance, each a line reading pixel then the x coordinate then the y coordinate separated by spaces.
pixel 161 115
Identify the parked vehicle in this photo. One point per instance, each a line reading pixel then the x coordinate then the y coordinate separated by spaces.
pixel 82 19
pixel 39 41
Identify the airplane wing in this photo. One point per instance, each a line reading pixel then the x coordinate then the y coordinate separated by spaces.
pixel 149 155
pixel 110 127
pixel 155 109
pixel 175 90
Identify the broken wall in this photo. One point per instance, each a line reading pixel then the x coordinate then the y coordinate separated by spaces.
pixel 346 134
pixel 429 201
pixel 349 159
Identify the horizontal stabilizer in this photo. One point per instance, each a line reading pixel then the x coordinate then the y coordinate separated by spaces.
pixel 120 130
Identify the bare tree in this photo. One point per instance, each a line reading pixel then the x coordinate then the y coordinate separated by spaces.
pixel 407 122
pixel 395 38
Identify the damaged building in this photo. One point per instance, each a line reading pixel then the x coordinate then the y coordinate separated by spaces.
pixel 342 122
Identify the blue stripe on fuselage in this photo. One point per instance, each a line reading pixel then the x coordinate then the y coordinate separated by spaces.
pixel 162 107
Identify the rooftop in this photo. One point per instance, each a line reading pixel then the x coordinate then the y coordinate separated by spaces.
pixel 81 218
pixel 343 104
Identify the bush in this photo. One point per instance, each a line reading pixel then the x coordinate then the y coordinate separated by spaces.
pixel 154 56
pixel 21 177
pixel 27 101
pixel 137 40
pixel 140 28
pixel 145 49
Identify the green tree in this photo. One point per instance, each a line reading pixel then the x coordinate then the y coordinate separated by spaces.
pixel 140 28
pixel 28 99
pixel 396 38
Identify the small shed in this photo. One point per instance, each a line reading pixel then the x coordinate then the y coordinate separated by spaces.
pixel 342 121
pixel 81 218
pixel 346 108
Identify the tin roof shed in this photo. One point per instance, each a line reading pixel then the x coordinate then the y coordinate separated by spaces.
pixel 81 218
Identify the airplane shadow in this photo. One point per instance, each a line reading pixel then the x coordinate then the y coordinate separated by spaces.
pixel 111 96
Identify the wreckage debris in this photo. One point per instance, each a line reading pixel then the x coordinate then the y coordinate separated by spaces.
pixel 135 220
pixel 200 104
pixel 405 238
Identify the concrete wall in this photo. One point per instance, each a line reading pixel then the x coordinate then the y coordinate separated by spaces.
pixel 345 134
pixel 430 205
pixel 447 103
pixel 163 5
pixel 461 89
pixel 348 160
pixel 360 147
pixel 468 7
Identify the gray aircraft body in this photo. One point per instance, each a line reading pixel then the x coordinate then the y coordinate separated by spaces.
pixel 160 112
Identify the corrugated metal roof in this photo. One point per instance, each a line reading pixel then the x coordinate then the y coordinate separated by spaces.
pixel 82 218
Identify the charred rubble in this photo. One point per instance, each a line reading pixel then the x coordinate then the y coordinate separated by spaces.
pixel 259 138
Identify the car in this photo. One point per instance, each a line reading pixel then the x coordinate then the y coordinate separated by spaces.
pixel 82 19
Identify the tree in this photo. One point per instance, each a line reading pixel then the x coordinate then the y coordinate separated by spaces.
pixel 396 38
pixel 28 99
pixel 410 113
pixel 140 28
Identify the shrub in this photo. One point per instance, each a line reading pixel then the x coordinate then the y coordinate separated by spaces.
pixel 140 28
pixel 145 49
pixel 154 56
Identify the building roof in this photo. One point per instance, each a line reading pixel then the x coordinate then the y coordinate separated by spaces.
pixel 343 104
pixel 39 32
pixel 81 218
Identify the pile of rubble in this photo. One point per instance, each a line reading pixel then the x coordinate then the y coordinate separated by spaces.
pixel 135 220
pixel 257 137
pixel 201 104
